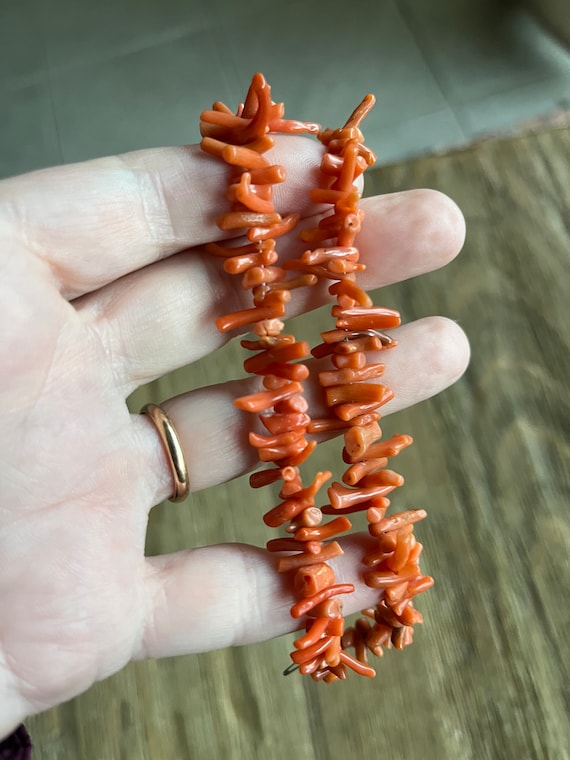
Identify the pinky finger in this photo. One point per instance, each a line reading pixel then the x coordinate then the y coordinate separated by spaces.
pixel 229 595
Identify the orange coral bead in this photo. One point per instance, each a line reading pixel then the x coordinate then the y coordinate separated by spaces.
pixel 311 579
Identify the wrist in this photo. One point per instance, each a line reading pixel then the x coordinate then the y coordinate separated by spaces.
pixel 11 713
pixel 16 746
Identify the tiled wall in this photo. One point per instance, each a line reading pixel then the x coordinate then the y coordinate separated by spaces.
pixel 79 79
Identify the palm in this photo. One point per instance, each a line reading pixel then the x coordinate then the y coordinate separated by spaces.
pixel 72 553
pixel 94 303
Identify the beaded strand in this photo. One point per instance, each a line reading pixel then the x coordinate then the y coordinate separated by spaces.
pixel 240 140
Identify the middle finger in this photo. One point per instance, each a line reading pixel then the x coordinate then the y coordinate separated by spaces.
pixel 162 317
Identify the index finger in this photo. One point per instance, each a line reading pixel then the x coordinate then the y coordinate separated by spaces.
pixel 96 221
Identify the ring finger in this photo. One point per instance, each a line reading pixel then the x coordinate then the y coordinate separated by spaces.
pixel 432 353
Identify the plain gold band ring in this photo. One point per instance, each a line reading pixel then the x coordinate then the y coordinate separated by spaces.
pixel 173 449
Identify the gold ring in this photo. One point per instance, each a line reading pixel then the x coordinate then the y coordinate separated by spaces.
pixel 173 448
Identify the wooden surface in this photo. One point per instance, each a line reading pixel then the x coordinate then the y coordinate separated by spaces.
pixel 486 675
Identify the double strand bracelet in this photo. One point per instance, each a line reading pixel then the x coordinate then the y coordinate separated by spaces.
pixel 351 388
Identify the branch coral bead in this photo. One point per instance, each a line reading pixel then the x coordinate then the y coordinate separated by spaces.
pixel 351 387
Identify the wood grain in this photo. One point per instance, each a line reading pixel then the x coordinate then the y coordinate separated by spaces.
pixel 486 676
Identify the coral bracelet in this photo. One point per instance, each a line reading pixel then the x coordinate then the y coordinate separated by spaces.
pixel 351 385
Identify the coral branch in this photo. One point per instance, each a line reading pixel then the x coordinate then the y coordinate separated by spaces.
pixel 350 386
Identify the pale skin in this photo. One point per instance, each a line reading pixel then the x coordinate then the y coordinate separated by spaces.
pixel 105 287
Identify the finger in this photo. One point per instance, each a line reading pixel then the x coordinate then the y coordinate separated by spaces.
pixel 432 353
pixel 145 319
pixel 96 221
pixel 229 595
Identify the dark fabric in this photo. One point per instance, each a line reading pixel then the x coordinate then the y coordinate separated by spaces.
pixel 17 746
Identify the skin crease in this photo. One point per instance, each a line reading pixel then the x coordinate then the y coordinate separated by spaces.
pixel 103 279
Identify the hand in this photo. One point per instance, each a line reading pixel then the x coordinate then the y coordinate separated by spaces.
pixel 103 280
